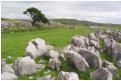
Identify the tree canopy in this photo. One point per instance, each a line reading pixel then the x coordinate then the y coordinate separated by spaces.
pixel 36 15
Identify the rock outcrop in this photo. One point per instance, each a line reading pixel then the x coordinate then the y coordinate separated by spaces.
pixel 101 74
pixel 52 54
pixel 92 59
pixel 8 76
pixel 24 65
pixel 54 63
pixel 35 48
pixel 68 76
pixel 77 61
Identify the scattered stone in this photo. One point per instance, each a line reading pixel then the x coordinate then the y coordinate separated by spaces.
pixel 52 54
pixel 62 56
pixel 91 58
pixel 7 68
pixel 53 78
pixel 77 61
pixel 31 77
pixel 42 61
pixel 48 77
pixel 95 44
pixel 95 27
pixel 50 47
pixel 68 76
pixel 119 63
pixel 116 51
pixel 9 57
pixel 48 71
pixel 54 64
pixel 3 62
pixel 8 76
pixel 65 49
pixel 101 74
pixel 24 65
pixel 93 50
pixel 35 48
pixel 40 66
pixel 106 63
pixel 92 36
pixel 78 41
pixel 113 70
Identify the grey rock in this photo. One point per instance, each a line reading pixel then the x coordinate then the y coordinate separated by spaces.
pixel 62 56
pixel 68 76
pixel 77 61
pixel 119 63
pixel 7 68
pixel 101 74
pixel 35 48
pixel 92 59
pixel 40 66
pixel 95 44
pixel 93 50
pixel 54 64
pixel 24 65
pixel 106 63
pixel 8 76
pixel 92 36
pixel 31 77
pixel 78 41
pixel 52 54
pixel 9 57
pixel 116 51
pixel 50 47
pixel 112 69
pixel 48 71
pixel 42 61
pixel 48 77
pixel 65 49
pixel 3 62
pixel 53 78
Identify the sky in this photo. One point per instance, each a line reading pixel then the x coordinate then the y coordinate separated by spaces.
pixel 95 11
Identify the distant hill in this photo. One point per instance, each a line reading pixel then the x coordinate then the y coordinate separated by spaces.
pixel 74 22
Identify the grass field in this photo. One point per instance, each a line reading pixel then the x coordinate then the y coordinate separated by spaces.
pixel 14 44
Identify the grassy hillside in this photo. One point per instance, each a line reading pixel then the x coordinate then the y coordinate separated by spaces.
pixel 14 44
pixel 72 22
pixel 87 23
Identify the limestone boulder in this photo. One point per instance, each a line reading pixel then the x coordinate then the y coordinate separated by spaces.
pixel 24 65
pixel 119 63
pixel 68 76
pixel 35 48
pixel 92 36
pixel 77 61
pixel 8 76
pixel 54 63
pixel 78 41
pixel 52 54
pixel 101 74
pixel 116 51
pixel 91 58
pixel 65 49
pixel 95 44
pixel 113 70
pixel 7 68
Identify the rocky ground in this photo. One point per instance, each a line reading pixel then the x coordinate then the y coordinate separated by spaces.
pixel 82 54
pixel 9 25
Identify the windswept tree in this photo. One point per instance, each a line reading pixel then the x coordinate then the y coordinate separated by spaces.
pixel 36 15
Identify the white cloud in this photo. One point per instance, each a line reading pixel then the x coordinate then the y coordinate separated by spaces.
pixel 104 12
